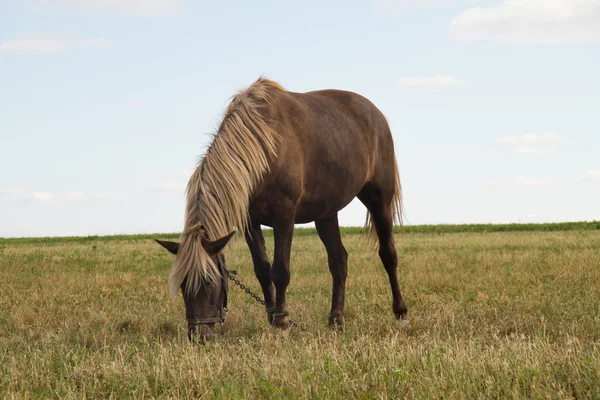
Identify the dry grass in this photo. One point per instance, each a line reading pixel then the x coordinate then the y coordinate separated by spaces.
pixel 492 315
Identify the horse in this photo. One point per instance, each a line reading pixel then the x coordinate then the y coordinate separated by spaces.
pixel 281 158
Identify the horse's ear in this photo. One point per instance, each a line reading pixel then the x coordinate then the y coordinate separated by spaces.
pixel 172 247
pixel 216 246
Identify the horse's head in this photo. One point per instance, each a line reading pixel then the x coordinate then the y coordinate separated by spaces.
pixel 206 306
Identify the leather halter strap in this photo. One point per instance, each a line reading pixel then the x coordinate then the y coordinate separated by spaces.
pixel 193 322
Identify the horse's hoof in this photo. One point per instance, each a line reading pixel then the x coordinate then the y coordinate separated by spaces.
pixel 400 310
pixel 402 323
pixel 336 323
pixel 401 316
pixel 280 321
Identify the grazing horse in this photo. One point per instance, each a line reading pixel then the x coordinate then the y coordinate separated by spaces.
pixel 281 158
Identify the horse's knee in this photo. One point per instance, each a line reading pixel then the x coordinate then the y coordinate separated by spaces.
pixel 338 265
pixel 263 272
pixel 388 255
pixel 280 273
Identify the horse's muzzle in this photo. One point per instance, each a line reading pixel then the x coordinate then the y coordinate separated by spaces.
pixel 200 332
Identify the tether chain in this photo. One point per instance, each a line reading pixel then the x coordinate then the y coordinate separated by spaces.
pixel 257 298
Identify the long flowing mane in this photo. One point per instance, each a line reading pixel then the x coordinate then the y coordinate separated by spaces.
pixel 219 190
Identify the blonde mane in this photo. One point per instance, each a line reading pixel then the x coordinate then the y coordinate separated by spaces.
pixel 219 190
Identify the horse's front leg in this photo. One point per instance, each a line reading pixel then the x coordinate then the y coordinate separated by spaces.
pixel 262 266
pixel 283 232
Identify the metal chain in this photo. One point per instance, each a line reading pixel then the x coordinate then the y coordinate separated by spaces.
pixel 257 298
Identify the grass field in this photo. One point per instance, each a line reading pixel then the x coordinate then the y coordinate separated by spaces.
pixel 495 311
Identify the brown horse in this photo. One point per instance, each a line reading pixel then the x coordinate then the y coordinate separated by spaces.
pixel 281 158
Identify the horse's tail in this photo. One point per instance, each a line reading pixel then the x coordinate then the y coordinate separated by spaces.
pixel 397 207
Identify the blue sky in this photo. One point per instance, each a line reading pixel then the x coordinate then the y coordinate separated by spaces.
pixel 106 105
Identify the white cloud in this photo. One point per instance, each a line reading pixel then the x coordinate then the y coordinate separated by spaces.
pixel 529 138
pixel 389 6
pixel 50 43
pixel 524 181
pixel 74 196
pixel 11 192
pixel 535 144
pixel 517 181
pixel 530 22
pixel 21 194
pixel 106 196
pixel 594 174
pixel 429 81
pixel 43 197
pixel 538 150
pixel 128 7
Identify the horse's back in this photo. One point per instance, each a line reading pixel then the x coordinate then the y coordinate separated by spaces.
pixel 328 152
pixel 369 125
pixel 342 128
pixel 348 115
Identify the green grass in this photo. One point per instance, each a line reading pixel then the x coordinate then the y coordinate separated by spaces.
pixel 495 311
pixel 346 231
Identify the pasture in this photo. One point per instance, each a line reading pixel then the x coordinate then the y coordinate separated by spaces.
pixel 494 312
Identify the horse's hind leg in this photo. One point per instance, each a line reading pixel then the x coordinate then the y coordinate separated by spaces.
pixel 380 208
pixel 337 259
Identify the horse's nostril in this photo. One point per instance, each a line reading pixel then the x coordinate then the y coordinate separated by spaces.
pixel 199 333
pixel 206 332
pixel 192 332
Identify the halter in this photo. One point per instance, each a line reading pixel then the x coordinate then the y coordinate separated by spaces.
pixel 193 322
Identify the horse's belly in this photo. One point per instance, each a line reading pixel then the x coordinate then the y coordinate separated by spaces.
pixel 313 208
pixel 310 207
